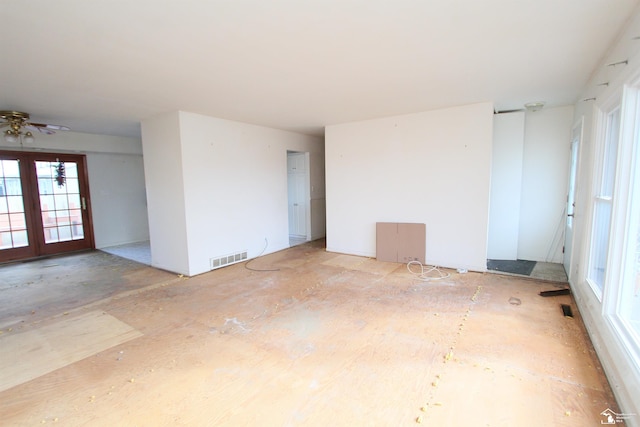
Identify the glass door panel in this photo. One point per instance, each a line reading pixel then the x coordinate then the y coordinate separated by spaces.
pixel 13 223
pixel 60 207
pixel 576 137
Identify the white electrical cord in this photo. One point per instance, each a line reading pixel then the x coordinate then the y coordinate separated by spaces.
pixel 246 265
pixel 425 272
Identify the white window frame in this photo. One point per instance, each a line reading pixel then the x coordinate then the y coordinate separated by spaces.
pixel 623 227
pixel 603 112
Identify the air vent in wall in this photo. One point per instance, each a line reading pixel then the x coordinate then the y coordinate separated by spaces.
pixel 228 259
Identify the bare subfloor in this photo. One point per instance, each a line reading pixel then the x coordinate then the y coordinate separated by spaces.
pixel 328 339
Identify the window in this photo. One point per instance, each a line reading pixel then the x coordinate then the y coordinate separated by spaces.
pixel 603 202
pixel 627 292
pixel 629 308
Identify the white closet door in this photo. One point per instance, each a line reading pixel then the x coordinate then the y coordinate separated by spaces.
pixel 297 194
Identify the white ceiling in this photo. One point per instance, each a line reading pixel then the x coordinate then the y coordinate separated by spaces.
pixel 102 66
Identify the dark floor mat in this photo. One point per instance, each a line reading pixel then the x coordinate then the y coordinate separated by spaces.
pixel 519 266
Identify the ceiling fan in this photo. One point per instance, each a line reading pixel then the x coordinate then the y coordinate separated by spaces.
pixel 17 120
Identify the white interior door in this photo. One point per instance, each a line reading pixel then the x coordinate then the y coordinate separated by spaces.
pixel 571 198
pixel 297 178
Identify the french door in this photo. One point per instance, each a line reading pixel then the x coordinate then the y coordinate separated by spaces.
pixel 44 205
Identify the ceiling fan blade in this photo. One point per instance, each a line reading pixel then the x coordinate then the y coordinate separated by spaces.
pixel 47 126
pixel 44 130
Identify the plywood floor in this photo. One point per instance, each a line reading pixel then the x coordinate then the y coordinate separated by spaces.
pixel 328 339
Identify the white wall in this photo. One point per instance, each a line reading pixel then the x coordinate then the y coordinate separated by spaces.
pixel 163 167
pixel 116 182
pixel 230 184
pixel 431 167
pixel 545 175
pixel 119 202
pixel 506 185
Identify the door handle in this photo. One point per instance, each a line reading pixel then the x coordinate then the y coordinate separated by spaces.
pixel 84 204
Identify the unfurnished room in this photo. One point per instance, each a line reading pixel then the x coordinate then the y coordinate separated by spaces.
pixel 318 213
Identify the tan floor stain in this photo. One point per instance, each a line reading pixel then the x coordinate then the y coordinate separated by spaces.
pixel 29 355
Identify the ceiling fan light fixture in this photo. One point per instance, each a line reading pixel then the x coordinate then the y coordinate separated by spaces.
pixel 28 138
pixel 534 106
pixel 10 136
pixel 18 122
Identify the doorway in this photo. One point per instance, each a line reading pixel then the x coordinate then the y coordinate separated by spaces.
pixel 298 197
pixel 44 205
